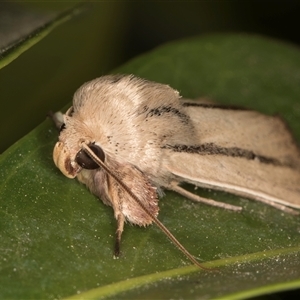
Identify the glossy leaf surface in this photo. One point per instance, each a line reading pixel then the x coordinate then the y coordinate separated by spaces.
pixel 57 239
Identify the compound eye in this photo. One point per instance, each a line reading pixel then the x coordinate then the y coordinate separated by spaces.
pixel 85 161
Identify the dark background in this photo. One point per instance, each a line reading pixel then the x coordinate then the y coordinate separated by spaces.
pixel 111 32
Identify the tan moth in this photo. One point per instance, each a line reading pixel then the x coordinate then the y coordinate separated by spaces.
pixel 127 139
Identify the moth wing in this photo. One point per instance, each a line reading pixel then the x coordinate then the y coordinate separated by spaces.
pixel 250 154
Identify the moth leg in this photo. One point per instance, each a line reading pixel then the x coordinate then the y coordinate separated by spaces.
pixel 120 227
pixel 175 187
pixel 279 206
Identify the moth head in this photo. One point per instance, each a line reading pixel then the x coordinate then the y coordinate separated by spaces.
pixel 69 154
pixel 70 165
pixel 63 160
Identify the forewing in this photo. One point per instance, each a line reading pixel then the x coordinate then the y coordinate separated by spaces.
pixel 239 151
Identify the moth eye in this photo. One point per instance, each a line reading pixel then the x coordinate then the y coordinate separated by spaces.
pixel 85 161
pixel 62 127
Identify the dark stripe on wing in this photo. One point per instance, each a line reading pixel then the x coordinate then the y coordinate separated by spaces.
pixel 160 110
pixel 213 149
pixel 213 106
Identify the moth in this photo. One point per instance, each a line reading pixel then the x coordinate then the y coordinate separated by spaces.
pixel 128 138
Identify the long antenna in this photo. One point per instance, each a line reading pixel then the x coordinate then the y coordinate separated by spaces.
pixel 162 227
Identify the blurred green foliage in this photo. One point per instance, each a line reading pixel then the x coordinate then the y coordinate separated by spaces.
pixel 109 33
pixel 45 77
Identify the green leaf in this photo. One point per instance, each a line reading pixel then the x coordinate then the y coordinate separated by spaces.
pixel 57 238
pixel 24 28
